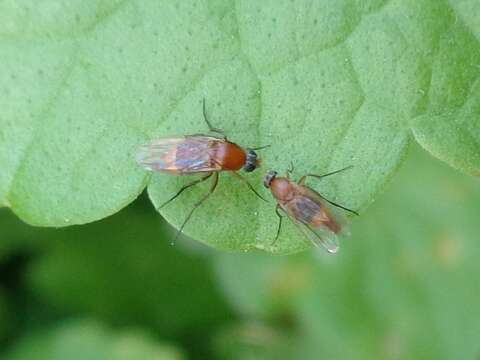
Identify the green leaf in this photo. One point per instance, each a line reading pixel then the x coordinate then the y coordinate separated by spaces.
pixel 403 288
pixel 450 127
pixel 453 143
pixel 87 339
pixel 256 341
pixel 327 84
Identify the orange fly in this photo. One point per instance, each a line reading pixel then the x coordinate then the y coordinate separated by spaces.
pixel 309 210
pixel 198 154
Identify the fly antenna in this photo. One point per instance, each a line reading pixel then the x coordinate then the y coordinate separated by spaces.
pixel 260 147
pixel 250 186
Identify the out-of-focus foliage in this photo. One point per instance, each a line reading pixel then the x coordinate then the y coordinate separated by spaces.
pixel 403 287
pixel 124 269
pixel 254 340
pixel 86 339
pixel 6 315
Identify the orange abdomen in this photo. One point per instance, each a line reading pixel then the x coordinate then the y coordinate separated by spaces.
pixel 229 156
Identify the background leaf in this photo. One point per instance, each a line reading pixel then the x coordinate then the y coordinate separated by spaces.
pixel 402 288
pixel 87 339
pixel 145 279
pixel 121 271
pixel 327 84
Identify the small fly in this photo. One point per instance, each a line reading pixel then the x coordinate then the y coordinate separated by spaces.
pixel 307 209
pixel 199 154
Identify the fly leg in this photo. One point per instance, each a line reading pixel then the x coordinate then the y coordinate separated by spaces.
pixel 340 206
pixel 185 187
pixel 280 219
pixel 303 178
pixel 250 186
pixel 289 170
pixel 210 127
pixel 199 203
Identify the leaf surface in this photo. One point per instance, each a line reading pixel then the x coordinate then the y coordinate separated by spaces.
pixel 327 84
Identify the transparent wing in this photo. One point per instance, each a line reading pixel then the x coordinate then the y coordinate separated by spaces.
pixel 181 155
pixel 320 236
pixel 321 224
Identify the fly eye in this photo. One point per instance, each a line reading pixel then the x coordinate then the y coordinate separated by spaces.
pixel 267 181
pixel 249 167
pixel 251 163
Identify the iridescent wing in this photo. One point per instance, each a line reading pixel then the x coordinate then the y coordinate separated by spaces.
pixel 316 218
pixel 181 155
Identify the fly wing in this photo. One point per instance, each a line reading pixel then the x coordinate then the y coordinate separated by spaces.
pixel 321 224
pixel 320 237
pixel 181 155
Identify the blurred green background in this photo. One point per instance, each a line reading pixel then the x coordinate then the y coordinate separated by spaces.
pixel 404 286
